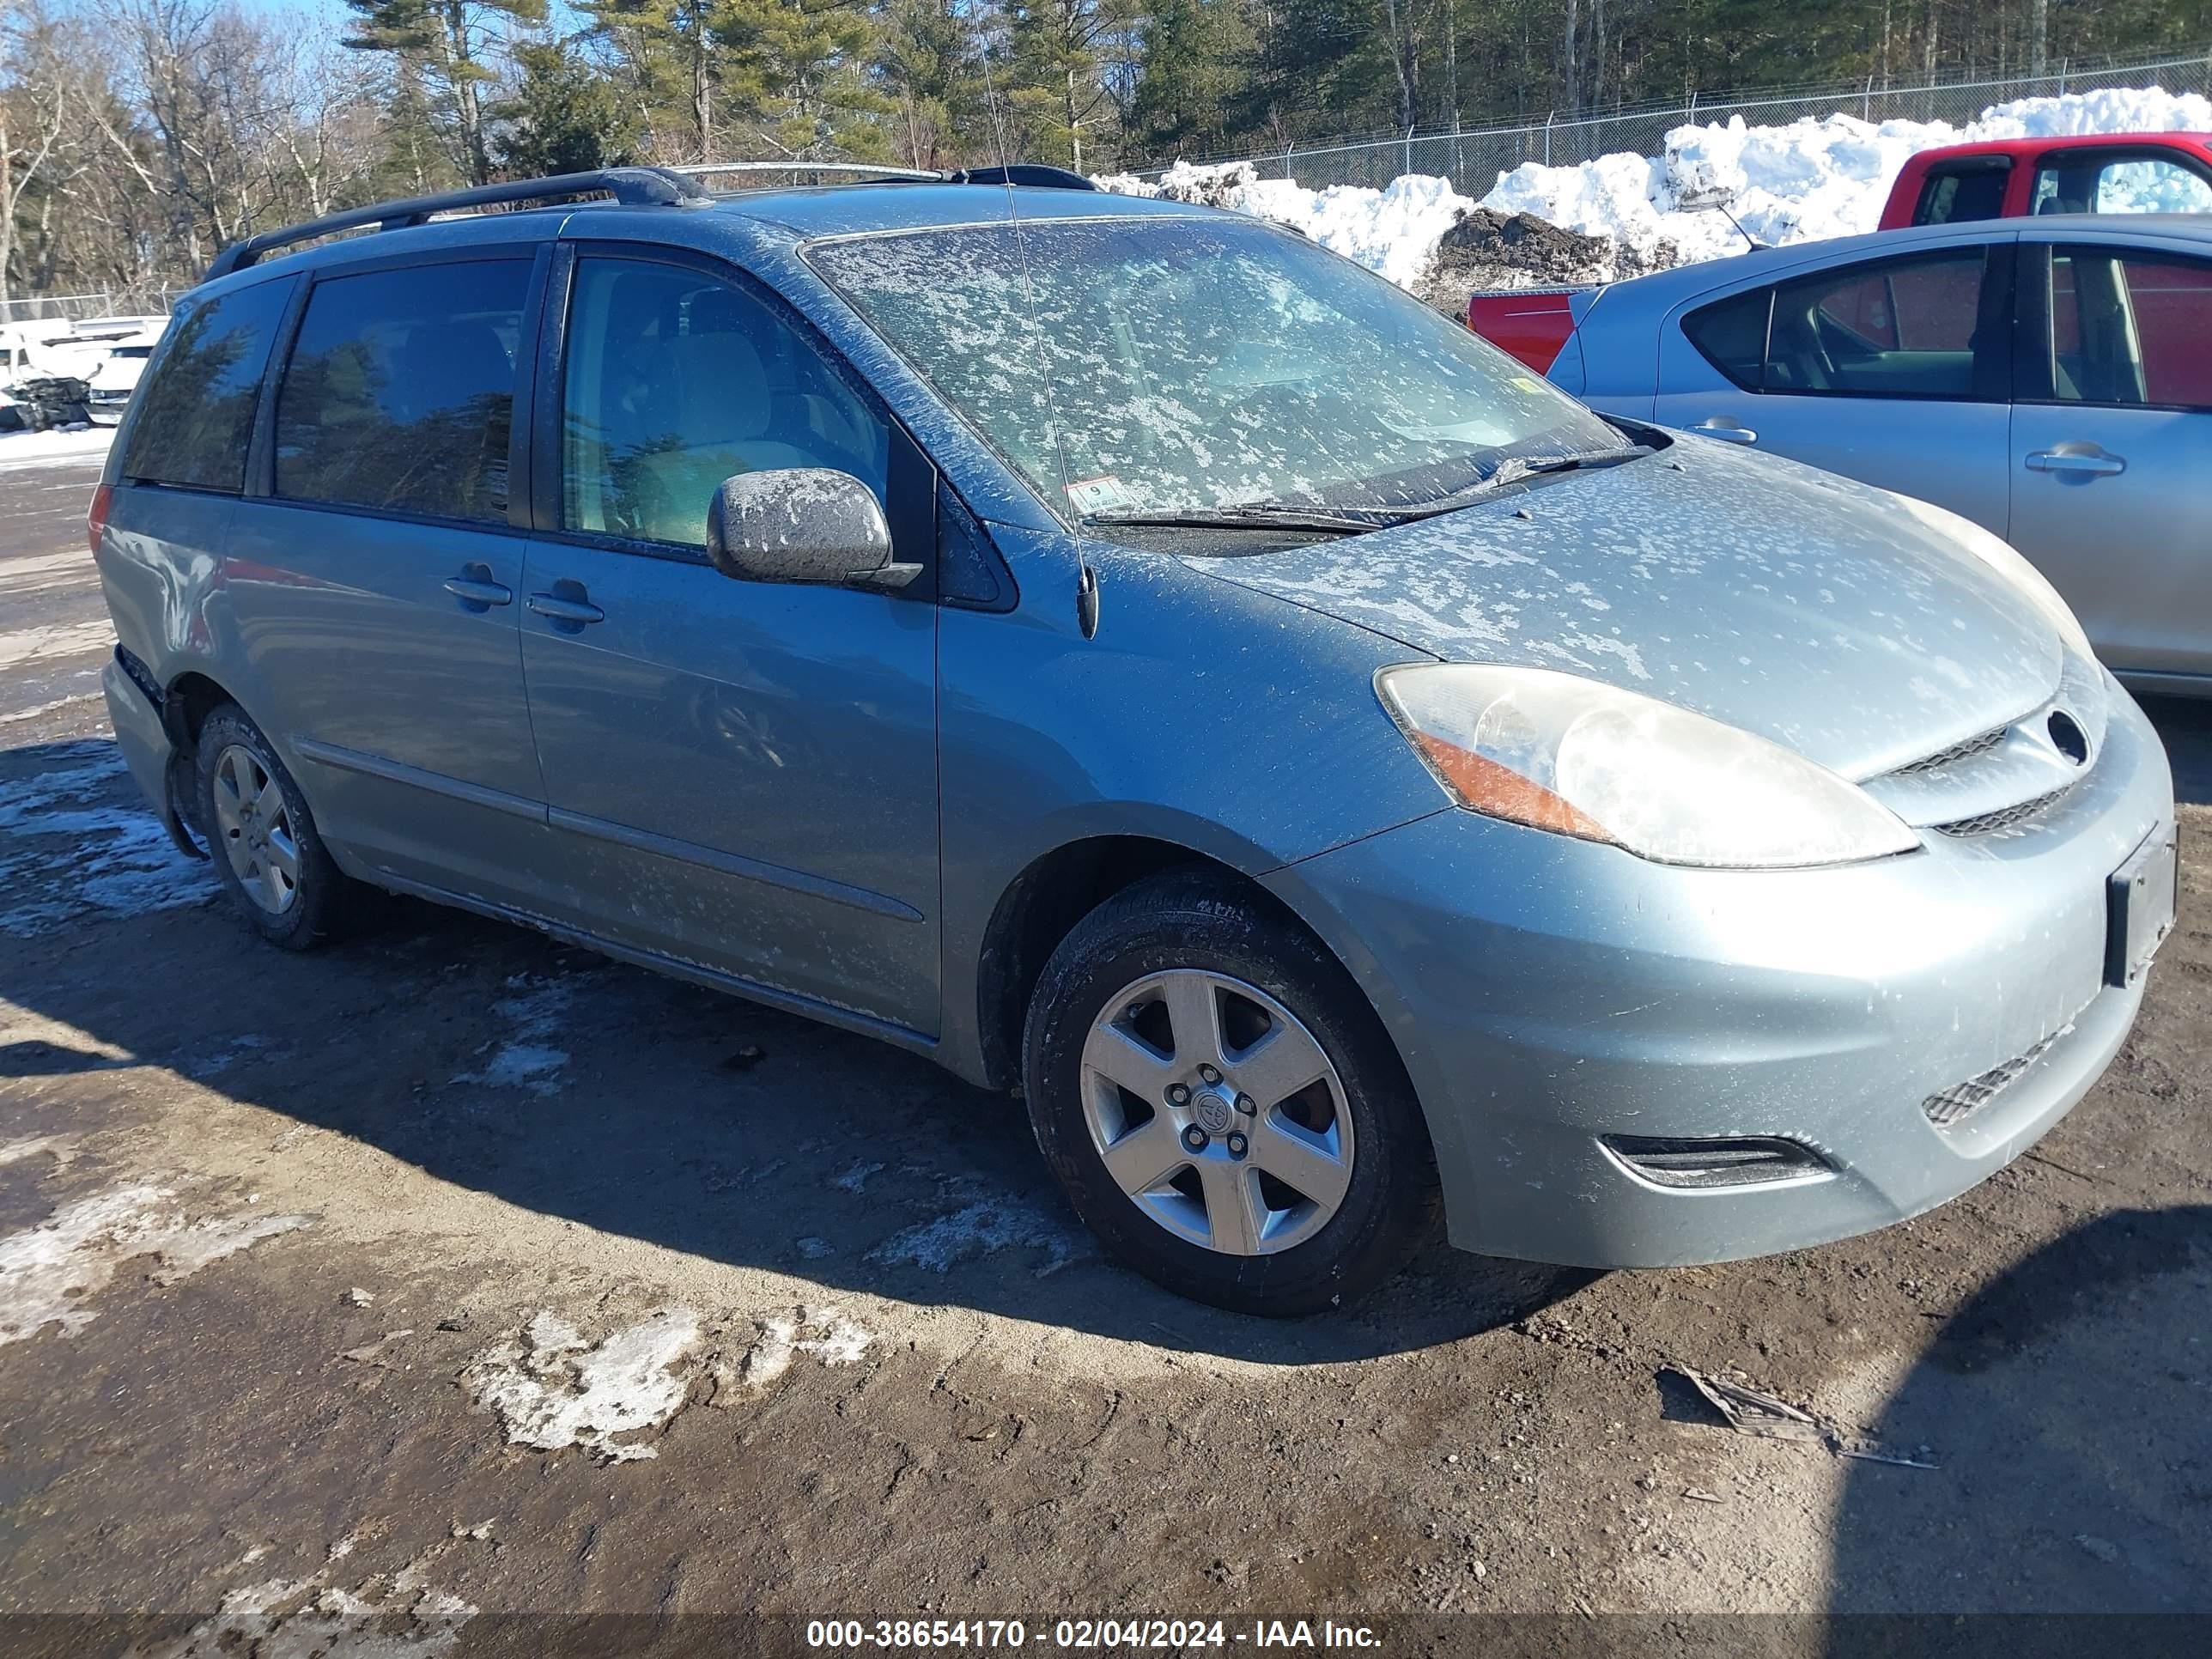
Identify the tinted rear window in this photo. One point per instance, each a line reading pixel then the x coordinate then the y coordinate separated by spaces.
pixel 196 415
pixel 1963 194
pixel 400 391
pixel 1732 334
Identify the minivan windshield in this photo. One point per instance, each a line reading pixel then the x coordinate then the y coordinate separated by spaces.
pixel 1152 367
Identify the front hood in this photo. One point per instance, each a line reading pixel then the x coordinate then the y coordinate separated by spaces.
pixel 1810 610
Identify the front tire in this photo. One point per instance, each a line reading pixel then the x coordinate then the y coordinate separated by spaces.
pixel 262 839
pixel 1221 1105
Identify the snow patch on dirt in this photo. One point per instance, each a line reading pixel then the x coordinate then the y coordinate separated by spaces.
pixel 526 1060
pixel 553 1389
pixel 824 1333
pixel 38 448
pixel 394 1618
pixel 109 860
pixel 49 1273
pixel 22 646
pixel 979 1230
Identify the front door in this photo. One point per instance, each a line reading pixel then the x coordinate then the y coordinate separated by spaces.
pixel 742 776
pixel 2111 449
pixel 1895 372
pixel 377 589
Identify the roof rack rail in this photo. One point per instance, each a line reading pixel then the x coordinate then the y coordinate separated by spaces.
pixel 1035 174
pixel 632 186
pixel 707 169
pixel 1032 173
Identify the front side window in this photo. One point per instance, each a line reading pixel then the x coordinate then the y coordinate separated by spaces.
pixel 2138 184
pixel 2130 329
pixel 676 381
pixel 400 391
pixel 196 417
pixel 1905 328
pixel 1158 365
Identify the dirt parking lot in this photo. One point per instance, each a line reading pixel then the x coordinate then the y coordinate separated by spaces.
pixel 417 1295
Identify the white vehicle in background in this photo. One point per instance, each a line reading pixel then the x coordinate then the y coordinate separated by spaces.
pixel 116 376
pixel 47 349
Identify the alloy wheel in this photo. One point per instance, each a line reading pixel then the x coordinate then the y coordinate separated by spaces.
pixel 1216 1112
pixel 254 825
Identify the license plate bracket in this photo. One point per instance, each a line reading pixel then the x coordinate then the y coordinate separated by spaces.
pixel 2139 906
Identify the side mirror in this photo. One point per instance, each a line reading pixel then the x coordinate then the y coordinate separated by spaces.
pixel 802 524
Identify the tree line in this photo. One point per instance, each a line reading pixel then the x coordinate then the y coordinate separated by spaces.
pixel 137 136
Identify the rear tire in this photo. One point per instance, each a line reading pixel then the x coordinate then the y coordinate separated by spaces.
pixel 1205 1160
pixel 262 839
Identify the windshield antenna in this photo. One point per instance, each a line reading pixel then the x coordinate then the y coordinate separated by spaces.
pixel 1086 576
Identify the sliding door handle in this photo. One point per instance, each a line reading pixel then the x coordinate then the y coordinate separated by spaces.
pixel 567 605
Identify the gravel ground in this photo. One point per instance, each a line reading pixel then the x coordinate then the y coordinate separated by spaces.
pixel 444 1286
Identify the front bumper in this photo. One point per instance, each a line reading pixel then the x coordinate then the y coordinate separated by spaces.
pixel 1548 993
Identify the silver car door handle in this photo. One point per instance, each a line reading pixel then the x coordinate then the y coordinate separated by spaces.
pixel 569 608
pixel 479 590
pixel 2061 461
pixel 1726 431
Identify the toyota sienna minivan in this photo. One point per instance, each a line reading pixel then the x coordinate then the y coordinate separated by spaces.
pixel 1145 661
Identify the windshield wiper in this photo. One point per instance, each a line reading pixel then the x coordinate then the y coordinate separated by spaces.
pixel 1514 469
pixel 1258 516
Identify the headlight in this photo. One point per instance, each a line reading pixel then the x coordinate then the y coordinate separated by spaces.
pixel 2001 556
pixel 1558 752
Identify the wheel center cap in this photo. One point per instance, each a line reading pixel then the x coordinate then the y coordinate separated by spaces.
pixel 1212 1112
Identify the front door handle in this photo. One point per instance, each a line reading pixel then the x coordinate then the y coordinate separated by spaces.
pixel 475 588
pixel 567 605
pixel 2089 463
pixel 1720 426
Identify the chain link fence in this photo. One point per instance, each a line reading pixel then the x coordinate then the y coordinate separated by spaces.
pixel 78 307
pixel 1472 159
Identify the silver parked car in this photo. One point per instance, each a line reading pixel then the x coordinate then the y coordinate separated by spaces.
pixel 2049 378
pixel 1136 658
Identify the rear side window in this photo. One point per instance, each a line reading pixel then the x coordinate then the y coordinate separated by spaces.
pixel 1963 193
pixel 1732 334
pixel 400 391
pixel 195 416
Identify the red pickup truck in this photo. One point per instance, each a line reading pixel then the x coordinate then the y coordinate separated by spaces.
pixel 2008 178
pixel 2106 173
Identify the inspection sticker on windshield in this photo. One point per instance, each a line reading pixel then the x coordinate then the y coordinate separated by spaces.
pixel 1103 494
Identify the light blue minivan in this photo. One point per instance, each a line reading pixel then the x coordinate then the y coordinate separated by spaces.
pixel 1144 661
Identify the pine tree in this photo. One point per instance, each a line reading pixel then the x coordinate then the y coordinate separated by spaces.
pixel 1057 48
pixel 452 45
pixel 565 116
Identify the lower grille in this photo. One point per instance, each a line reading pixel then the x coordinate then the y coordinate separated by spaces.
pixel 1702 1161
pixel 1962 1100
pixel 2003 819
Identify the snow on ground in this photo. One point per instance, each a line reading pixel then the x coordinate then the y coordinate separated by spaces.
pixel 38 448
pixel 1810 178
pixel 64 855
pixel 51 1274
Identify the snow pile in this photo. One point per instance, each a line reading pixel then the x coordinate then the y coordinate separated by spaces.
pixel 1809 179
pixel 1394 230
pixel 1814 178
